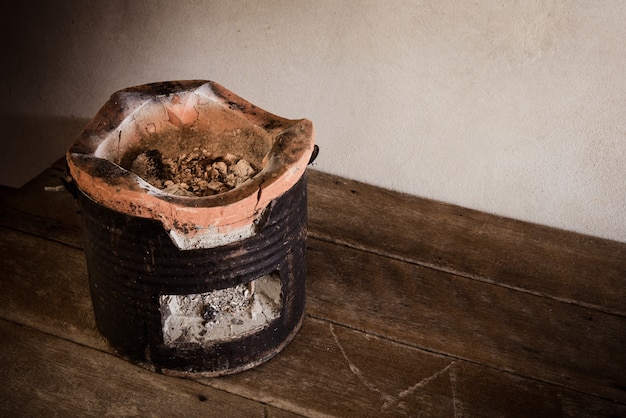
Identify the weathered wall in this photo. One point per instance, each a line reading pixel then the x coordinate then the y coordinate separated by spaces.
pixel 511 107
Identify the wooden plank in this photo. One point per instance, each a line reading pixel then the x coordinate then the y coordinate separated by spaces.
pixel 327 371
pixel 313 375
pixel 456 318
pixel 47 376
pixel 47 287
pixel 563 265
pixel 49 214
pixel 532 336
pixel 330 370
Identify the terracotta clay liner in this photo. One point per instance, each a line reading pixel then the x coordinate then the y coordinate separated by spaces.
pixel 174 117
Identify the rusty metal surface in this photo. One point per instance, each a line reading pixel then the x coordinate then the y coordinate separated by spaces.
pixel 132 261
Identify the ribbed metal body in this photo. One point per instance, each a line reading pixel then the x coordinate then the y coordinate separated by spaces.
pixel 132 262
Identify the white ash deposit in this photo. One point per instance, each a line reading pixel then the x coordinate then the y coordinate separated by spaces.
pixel 222 314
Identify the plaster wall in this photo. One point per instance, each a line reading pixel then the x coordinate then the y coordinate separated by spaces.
pixel 516 108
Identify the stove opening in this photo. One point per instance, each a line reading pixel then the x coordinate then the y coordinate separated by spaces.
pixel 223 314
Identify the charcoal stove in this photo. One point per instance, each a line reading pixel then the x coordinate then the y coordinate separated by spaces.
pixel 181 284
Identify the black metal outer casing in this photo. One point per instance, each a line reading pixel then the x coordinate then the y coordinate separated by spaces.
pixel 132 262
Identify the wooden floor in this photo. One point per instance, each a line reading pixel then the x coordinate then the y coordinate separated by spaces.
pixel 414 308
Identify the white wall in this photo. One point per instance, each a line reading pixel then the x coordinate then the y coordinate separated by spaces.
pixel 511 107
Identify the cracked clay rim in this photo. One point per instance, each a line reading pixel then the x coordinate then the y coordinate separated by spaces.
pixel 192 222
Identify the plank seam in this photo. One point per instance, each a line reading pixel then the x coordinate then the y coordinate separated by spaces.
pixel 478 278
pixel 455 358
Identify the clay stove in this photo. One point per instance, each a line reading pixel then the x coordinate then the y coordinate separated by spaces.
pixel 194 279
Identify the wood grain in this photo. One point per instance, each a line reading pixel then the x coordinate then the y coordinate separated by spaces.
pixel 426 308
pixel 333 370
pixel 531 336
pixel 47 288
pixel 563 265
pixel 558 264
pixel 414 308
pixel 49 214
pixel 50 377
pixel 329 368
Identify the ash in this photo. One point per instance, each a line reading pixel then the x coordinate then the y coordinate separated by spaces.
pixel 222 314
pixel 198 173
